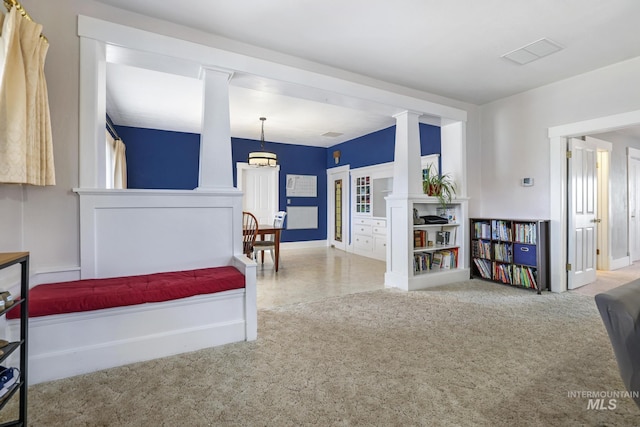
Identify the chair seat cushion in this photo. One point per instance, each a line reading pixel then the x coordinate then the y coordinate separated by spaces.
pixel 258 243
pixel 95 294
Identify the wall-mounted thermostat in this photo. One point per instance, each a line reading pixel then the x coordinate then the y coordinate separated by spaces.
pixel 527 182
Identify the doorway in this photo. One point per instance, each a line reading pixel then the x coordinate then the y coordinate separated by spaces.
pixel 633 176
pixel 338 207
pixel 558 185
pixel 260 188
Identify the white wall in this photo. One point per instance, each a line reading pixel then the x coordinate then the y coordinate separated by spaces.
pixel 514 134
pixel 45 220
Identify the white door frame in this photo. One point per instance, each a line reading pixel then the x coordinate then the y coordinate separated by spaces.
pixel 633 155
pixel 558 184
pixel 604 204
pixel 582 202
pixel 340 172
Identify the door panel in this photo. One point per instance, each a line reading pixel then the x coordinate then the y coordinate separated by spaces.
pixel 634 203
pixel 338 207
pixel 582 213
pixel 260 188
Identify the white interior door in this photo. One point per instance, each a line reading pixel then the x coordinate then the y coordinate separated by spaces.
pixel 633 164
pixel 338 207
pixel 582 209
pixel 260 187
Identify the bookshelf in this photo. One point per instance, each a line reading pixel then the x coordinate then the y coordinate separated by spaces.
pixel 434 252
pixel 510 251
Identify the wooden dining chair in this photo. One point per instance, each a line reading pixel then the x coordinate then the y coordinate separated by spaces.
pixel 249 233
pixel 269 244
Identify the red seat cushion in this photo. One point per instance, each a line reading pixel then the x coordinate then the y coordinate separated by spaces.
pixel 95 294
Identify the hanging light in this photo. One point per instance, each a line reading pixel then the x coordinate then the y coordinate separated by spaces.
pixel 262 158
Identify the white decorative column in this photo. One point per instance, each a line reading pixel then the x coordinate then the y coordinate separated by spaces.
pixel 215 138
pixel 93 113
pixel 407 170
pixel 407 183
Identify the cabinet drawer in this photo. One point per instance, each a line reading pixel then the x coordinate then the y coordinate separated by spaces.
pixel 362 229
pixel 379 223
pixel 363 242
pixel 361 221
pixel 379 230
pixel 524 254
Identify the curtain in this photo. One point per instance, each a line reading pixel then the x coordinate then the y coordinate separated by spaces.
pixel 119 165
pixel 116 163
pixel 26 148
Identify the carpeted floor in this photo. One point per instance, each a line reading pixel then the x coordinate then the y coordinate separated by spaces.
pixel 469 354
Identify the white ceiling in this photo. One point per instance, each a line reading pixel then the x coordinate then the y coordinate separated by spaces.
pixel 451 48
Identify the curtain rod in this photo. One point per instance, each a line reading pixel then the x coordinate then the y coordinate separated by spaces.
pixel 112 130
pixel 11 3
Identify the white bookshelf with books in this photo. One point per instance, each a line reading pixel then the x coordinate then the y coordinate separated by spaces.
pixel 434 240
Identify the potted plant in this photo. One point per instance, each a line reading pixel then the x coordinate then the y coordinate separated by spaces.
pixel 440 186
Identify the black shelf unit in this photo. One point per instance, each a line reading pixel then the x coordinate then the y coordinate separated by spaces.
pixel 7 260
pixel 510 251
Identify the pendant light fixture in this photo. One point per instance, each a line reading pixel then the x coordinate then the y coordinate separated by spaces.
pixel 262 158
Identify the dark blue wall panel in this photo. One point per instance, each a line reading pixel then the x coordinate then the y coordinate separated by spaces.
pixel 169 160
pixel 294 160
pixel 378 147
pixel 161 159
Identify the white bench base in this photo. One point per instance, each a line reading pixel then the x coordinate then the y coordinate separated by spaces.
pixel 65 345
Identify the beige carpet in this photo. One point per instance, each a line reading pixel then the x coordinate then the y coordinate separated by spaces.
pixel 470 354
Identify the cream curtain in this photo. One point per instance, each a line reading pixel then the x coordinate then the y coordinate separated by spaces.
pixel 26 148
pixel 116 163
pixel 119 165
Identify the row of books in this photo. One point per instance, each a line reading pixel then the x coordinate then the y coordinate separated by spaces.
pixel 524 276
pixel 506 273
pixel 501 230
pixel 429 261
pixel 482 230
pixel 484 267
pixel 421 238
pixel 526 233
pixel 481 249
pixel 503 252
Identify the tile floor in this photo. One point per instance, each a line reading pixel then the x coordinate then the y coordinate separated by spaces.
pixel 312 274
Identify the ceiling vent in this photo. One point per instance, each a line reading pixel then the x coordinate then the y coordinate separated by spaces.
pixel 332 134
pixel 533 51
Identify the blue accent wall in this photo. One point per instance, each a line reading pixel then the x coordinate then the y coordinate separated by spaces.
pixel 294 160
pixel 170 160
pixel 161 159
pixel 378 147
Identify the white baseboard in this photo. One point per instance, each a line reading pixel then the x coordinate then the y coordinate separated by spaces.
pixel 615 264
pixel 305 244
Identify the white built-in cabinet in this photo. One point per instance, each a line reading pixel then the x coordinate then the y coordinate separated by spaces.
pixel 370 185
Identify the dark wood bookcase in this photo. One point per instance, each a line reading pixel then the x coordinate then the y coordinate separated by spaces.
pixel 7 260
pixel 510 251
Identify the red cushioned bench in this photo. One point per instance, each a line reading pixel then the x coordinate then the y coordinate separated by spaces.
pixel 96 294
